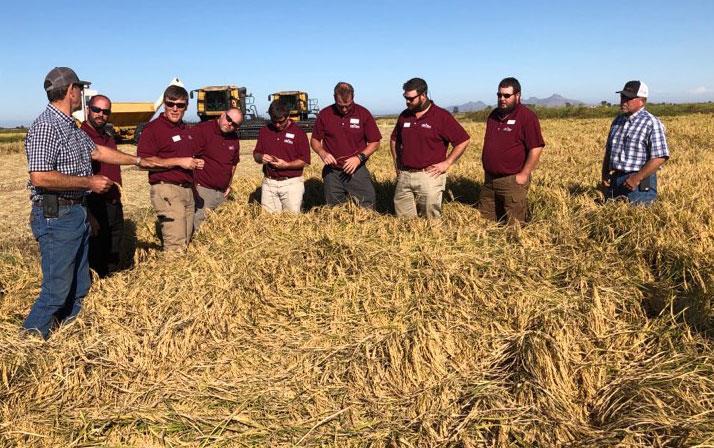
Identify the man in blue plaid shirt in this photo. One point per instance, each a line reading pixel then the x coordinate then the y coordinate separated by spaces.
pixel 636 148
pixel 59 157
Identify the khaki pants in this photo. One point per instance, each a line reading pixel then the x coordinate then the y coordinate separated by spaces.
pixel 208 199
pixel 174 208
pixel 282 195
pixel 418 193
pixel 503 200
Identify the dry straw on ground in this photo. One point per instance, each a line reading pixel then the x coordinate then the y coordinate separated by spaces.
pixel 591 326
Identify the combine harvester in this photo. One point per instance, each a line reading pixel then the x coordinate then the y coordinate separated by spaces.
pixel 303 110
pixel 212 101
pixel 128 118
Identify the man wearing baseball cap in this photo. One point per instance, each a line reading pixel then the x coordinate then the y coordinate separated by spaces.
pixel 636 148
pixel 59 158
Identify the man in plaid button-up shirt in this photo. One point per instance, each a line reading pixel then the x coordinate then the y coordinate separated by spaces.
pixel 59 158
pixel 636 148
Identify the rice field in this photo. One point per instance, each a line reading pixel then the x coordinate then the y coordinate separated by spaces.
pixel 591 326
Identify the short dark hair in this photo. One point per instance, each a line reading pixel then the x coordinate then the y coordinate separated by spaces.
pixel 344 90
pixel 277 110
pixel 417 84
pixel 57 94
pixel 510 82
pixel 91 100
pixel 174 93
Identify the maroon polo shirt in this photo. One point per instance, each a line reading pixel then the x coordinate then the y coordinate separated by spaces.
pixel 343 136
pixel 289 144
pixel 113 172
pixel 164 139
pixel 220 153
pixel 422 142
pixel 508 140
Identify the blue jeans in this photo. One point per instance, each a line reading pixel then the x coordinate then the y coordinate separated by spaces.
pixel 64 243
pixel 618 189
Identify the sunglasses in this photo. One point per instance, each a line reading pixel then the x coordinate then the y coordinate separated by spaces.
pixel 411 98
pixel 172 104
pixel 96 110
pixel 505 95
pixel 231 122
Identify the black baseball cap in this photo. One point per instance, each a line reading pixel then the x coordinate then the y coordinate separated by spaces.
pixel 634 89
pixel 61 78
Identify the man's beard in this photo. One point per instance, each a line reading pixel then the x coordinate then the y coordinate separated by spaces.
pixel 507 110
pixel 421 107
pixel 96 125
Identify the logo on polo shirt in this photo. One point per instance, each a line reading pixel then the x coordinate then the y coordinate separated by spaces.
pixel 407 124
pixel 176 138
pixel 426 125
pixel 231 148
pixel 511 122
pixel 507 129
pixel 354 123
pixel 289 135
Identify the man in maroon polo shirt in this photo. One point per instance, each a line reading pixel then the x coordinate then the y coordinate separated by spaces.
pixel 218 146
pixel 105 209
pixel 344 137
pixel 283 150
pixel 511 148
pixel 419 146
pixel 168 144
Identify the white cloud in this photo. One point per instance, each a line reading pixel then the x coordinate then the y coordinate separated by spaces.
pixel 701 90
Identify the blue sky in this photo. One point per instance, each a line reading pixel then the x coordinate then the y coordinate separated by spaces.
pixel 581 50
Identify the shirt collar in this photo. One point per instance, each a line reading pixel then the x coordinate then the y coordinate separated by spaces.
pixel 636 114
pixel 509 115
pixel 428 112
pixel 91 131
pixel 61 115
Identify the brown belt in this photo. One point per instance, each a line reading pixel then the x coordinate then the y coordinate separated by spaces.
pixel 178 184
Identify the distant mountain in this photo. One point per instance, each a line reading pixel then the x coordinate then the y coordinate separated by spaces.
pixel 470 106
pixel 554 100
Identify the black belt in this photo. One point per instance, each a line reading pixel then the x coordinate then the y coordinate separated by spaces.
pixel 64 201
pixel 413 170
pixel 178 184
pixel 277 177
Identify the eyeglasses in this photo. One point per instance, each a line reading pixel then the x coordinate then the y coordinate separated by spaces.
pixel 172 104
pixel 280 121
pixel 504 95
pixel 411 98
pixel 96 110
pixel 231 122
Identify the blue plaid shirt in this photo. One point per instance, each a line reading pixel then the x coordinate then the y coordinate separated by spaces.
pixel 634 140
pixel 55 143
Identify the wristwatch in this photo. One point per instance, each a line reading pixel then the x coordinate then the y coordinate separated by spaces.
pixel 362 157
pixel 138 161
